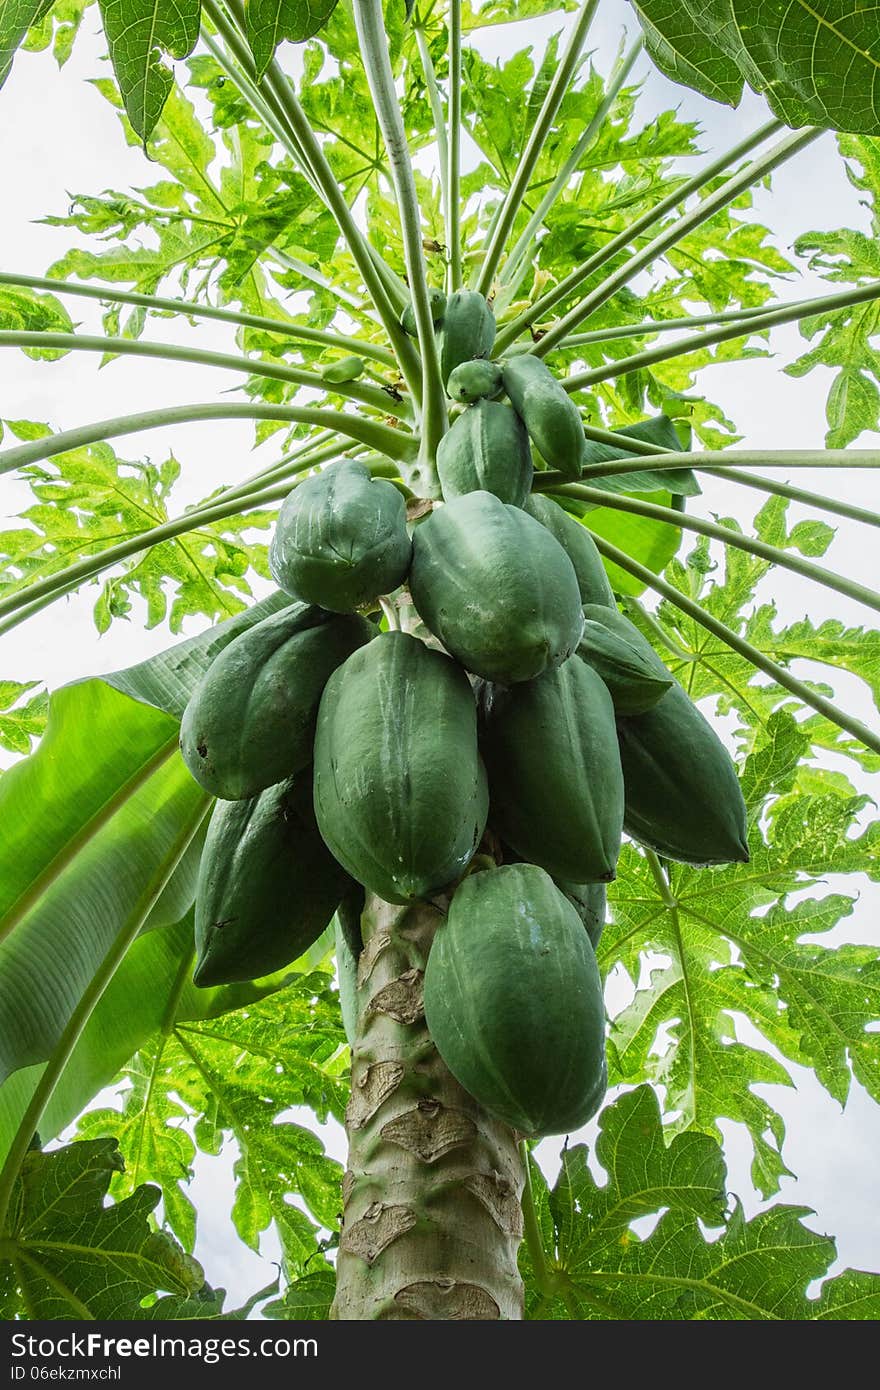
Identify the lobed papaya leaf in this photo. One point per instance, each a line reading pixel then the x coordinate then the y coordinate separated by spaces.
pixel 761 1269
pixel 270 22
pixel 202 1085
pixel 65 1254
pixel 16 18
pixel 716 46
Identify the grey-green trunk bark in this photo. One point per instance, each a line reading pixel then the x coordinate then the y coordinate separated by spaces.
pixel 432 1215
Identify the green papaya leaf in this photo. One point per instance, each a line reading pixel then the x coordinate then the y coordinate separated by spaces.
pixel 138 32
pixel 205 1305
pixel 652 543
pixel 67 1255
pixel 152 988
pixel 95 822
pixel 269 22
pixel 305 1300
pixel 200 1082
pixel 603 1269
pixel 661 431
pixel 16 18
pixel 816 64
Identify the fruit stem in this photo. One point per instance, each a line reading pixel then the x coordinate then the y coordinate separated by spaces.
pixel 392 617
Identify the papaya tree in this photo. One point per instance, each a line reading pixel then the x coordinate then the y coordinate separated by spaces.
pixel 481 705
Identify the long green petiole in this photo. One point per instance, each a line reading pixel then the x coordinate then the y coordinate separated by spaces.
pixel 385 440
pixel 514 266
pixel 84 1009
pixel 239 74
pixel 679 228
pixel 573 281
pixel 788 313
pixel 317 165
pixel 453 148
pixel 271 113
pixel 660 457
pixel 712 460
pixel 665 638
pixel 634 506
pixel 436 102
pixel 188 309
pixel 663 458
pixel 650 326
pixel 771 668
pixel 370 25
pixel 270 109
pixel 358 308
pixel 373 396
pixel 834 505
pixel 387 308
pixel 534 147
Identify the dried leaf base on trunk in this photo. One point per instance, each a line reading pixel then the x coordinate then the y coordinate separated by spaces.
pixel 432 1218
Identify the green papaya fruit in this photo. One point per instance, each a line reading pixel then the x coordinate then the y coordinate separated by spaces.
pixel 632 679
pixel 408 318
pixel 578 545
pixel 250 722
pixel 467 330
pixel 341 539
pixel 476 380
pixel 400 791
pixel 548 412
pixel 513 1001
pixel 683 797
pixel 345 369
pixel 620 626
pixel 496 588
pixel 486 449
pixel 267 886
pixel 555 780
pixel 590 900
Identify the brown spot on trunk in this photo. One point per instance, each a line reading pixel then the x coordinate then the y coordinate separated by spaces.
pixel 430 1130
pixel 500 1200
pixel 371 1090
pixel 448 1300
pixel 370 954
pixel 377 1229
pixel 402 999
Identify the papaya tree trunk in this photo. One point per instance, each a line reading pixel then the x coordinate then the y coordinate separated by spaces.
pixel 432 1216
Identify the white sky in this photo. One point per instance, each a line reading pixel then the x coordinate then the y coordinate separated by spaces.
pixel 58 137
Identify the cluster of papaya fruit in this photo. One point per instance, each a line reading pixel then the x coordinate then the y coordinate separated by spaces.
pixel 490 760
